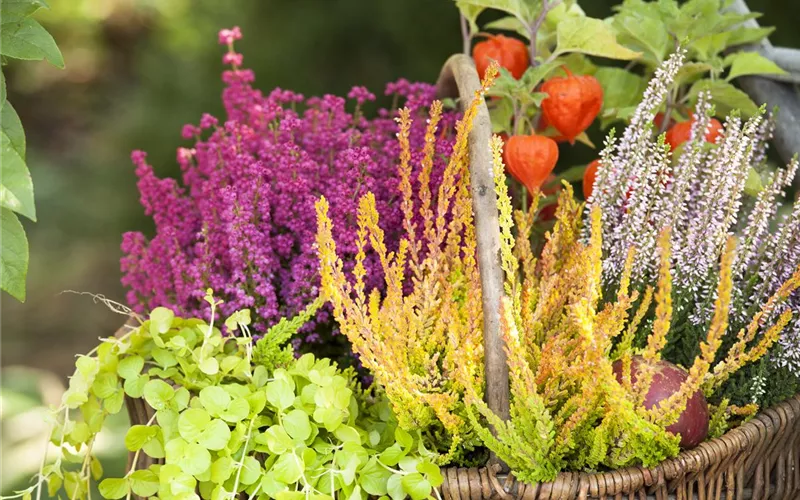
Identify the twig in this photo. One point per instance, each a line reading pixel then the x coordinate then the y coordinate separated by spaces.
pixel 466 36
pixel 533 29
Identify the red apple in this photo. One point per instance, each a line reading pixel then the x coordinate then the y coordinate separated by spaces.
pixel 692 425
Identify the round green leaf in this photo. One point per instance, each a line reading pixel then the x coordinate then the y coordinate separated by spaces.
pixel 280 394
pixel 192 423
pixel 237 411
pixel 215 436
pixel 221 470
pixel 297 425
pixel 138 435
pixel 373 478
pixel 417 487
pixel 209 366
pixel 278 440
pixel 215 399
pixel 114 488
pixel 196 459
pixel 158 393
pixel 288 468
pixel 161 320
pixel 251 471
pixel 144 483
pixel 130 367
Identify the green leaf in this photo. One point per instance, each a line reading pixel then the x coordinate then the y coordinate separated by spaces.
pixel 113 404
pixel 590 36
pixel 750 63
pixel 16 186
pixel 155 447
pixel 742 36
pixel 403 438
pixel 215 399
pixel 215 436
pixel 725 97
pixel 391 456
pixel 196 459
pixel 237 411
pixel 373 478
pixel 280 394
pixel 509 23
pixel 471 13
pixel 297 425
pixel 3 94
pixel 105 385
pixel 288 468
pixel 645 33
pixel 161 320
pixel 138 435
pixel 209 366
pixel 27 39
pixel 130 367
pixel 417 487
pixel 158 393
pixel 134 387
pixel 710 45
pixel 621 89
pixel 16 10
pixel 534 75
pixel 278 440
pixel 432 472
pixel 114 488
pixel 346 434
pixel 251 471
pixel 221 469
pixel 753 184
pixel 523 10
pixel 394 487
pixel 144 483
pixel 192 423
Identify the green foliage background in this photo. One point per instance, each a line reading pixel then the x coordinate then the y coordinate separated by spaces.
pixel 136 71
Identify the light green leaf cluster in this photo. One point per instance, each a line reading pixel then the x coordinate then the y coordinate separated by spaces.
pixel 21 37
pixel 708 32
pixel 289 429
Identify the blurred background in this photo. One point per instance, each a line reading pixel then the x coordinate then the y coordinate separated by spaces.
pixel 136 71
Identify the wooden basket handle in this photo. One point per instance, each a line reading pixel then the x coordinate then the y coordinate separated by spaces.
pixel 460 79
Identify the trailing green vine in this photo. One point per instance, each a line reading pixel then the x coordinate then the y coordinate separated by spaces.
pixel 230 417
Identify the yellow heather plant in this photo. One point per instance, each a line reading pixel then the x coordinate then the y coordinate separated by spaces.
pixel 423 339
pixel 568 409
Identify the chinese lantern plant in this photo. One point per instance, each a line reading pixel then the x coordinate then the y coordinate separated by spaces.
pixel 543 94
pixel 583 397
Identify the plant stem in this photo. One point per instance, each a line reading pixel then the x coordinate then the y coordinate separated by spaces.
pixel 466 36
pixel 533 30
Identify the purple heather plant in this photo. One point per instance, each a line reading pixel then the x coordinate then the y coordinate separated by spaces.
pixel 242 222
pixel 701 194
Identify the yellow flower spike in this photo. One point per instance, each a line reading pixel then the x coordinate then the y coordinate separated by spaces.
pixel 422 338
pixel 670 409
pixel 658 338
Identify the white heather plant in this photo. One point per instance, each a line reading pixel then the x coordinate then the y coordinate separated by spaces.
pixel 700 191
pixel 232 417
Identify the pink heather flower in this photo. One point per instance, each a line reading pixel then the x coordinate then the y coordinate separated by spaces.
pixel 361 95
pixel 232 58
pixel 190 131
pixel 208 121
pixel 228 36
pixel 241 220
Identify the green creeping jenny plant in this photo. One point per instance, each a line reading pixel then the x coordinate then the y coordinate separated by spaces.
pixel 21 37
pixel 232 417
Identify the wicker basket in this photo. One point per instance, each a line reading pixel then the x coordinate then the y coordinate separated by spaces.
pixel 758 460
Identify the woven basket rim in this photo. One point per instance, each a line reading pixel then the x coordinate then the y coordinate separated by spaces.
pixel 689 462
